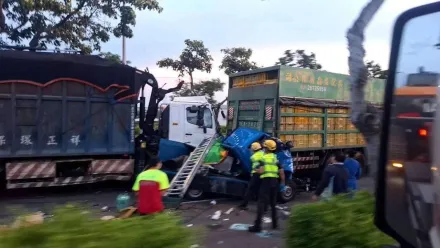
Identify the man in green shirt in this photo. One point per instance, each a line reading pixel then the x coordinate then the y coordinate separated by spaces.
pixel 150 186
pixel 153 173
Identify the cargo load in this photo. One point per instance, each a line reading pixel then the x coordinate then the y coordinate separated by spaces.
pixel 308 107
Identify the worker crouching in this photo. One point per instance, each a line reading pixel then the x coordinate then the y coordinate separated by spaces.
pixel 270 171
pixel 254 183
pixel 150 186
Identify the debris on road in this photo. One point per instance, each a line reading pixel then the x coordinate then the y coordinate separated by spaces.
pixel 267 220
pixel 229 211
pixel 108 217
pixel 239 227
pixel 216 215
pixel 189 225
pixel 104 209
pixel 213 202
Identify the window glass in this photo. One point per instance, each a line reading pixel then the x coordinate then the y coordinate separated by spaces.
pixel 207 117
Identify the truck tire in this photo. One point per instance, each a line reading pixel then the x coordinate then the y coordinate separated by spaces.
pixel 289 194
pixel 194 194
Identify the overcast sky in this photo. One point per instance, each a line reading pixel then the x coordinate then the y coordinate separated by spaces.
pixel 268 27
pixel 417 47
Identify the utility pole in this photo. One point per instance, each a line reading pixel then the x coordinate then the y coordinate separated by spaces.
pixel 123 51
pixel 124 58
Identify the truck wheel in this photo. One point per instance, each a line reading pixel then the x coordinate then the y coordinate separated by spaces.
pixel 289 194
pixel 194 194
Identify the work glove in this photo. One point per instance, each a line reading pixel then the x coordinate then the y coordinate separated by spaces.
pixel 282 187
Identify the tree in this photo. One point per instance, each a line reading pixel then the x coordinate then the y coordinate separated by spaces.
pixel 236 60
pixel 300 59
pixel 113 57
pixel 203 88
pixel 375 71
pixel 365 117
pixel 2 18
pixel 79 25
pixel 194 57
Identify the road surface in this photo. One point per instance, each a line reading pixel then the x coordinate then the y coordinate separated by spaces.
pixel 194 214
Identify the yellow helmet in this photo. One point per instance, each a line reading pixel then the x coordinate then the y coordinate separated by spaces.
pixel 256 146
pixel 270 145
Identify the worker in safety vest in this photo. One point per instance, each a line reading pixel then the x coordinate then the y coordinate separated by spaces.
pixel 254 183
pixel 270 171
pixel 150 186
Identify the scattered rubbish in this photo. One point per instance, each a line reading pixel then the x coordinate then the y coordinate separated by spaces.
pixel 104 209
pixel 215 226
pixel 229 211
pixel 216 215
pixel 267 220
pixel 239 227
pixel 194 246
pixel 220 242
pixel 279 207
pixel 213 202
pixel 28 220
pixel 225 219
pixel 107 217
pixel 189 225
pixel 264 234
pixel 95 204
pixel 285 212
pixel 85 212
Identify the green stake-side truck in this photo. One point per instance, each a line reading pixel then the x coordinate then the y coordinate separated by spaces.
pixel 308 107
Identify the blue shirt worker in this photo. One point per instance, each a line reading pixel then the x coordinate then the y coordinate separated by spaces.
pixel 284 155
pixel 254 183
pixel 354 170
pixel 270 171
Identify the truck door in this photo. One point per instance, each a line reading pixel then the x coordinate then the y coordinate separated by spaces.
pixel 194 133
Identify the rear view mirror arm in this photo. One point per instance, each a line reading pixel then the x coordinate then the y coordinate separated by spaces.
pixel 365 117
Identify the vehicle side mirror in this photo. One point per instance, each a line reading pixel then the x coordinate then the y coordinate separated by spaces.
pixel 407 200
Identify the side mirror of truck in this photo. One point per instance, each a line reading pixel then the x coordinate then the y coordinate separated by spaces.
pixel 200 118
pixel 407 193
pixel 223 114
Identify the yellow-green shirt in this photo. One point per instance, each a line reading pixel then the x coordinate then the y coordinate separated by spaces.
pixel 152 175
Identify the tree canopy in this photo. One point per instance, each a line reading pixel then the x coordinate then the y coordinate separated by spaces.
pixel 237 59
pixel 203 88
pixel 113 57
pixel 195 56
pixel 375 70
pixel 79 25
pixel 299 58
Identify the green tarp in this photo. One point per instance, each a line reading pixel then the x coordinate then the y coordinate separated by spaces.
pixel 214 155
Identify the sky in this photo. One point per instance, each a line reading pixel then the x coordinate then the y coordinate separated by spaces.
pixel 417 47
pixel 268 27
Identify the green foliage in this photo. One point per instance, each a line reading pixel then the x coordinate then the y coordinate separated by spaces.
pixel 299 59
pixel 236 60
pixel 113 57
pixel 80 25
pixel 338 223
pixel 70 228
pixel 203 88
pixel 137 130
pixel 223 130
pixel 375 70
pixel 195 56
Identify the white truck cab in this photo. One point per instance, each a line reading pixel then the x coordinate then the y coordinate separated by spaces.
pixel 187 120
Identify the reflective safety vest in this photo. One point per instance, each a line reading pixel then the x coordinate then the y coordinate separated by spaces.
pixel 270 166
pixel 256 158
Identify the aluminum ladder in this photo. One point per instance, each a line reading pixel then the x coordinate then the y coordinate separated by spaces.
pixel 182 180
